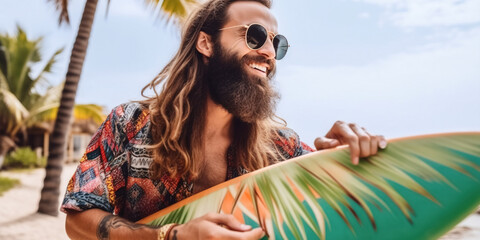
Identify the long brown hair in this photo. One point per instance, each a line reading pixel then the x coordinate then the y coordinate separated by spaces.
pixel 177 113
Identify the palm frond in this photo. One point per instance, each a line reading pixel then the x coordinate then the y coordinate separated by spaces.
pixel 80 112
pixel 172 10
pixel 19 54
pixel 3 81
pixel 48 67
pixel 46 103
pixel 3 64
pixel 62 7
pixel 89 111
pixel 13 112
pixel 19 100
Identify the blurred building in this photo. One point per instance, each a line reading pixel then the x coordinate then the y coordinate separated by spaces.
pixel 78 138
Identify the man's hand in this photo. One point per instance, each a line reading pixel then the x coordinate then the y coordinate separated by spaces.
pixel 361 143
pixel 215 226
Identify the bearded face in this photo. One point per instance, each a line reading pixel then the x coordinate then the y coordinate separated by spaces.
pixel 247 96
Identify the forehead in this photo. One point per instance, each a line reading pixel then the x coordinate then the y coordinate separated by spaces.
pixel 246 12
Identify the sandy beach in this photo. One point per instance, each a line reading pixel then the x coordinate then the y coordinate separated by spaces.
pixel 19 220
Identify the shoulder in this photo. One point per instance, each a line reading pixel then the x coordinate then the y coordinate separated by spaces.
pixel 128 119
pixel 129 112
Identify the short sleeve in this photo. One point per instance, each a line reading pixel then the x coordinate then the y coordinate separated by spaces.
pixel 289 145
pixel 91 186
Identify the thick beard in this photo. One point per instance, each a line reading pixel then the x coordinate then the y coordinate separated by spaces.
pixel 247 97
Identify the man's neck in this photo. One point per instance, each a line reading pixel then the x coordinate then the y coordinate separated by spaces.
pixel 218 122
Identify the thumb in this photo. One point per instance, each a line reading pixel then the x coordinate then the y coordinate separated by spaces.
pixel 325 143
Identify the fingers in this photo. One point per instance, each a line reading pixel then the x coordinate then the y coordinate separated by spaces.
pixel 373 143
pixel 348 136
pixel 228 220
pixel 217 226
pixel 256 234
pixel 325 143
pixel 382 142
pixel 361 143
pixel 363 140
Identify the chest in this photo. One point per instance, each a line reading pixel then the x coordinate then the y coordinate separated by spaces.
pixel 214 168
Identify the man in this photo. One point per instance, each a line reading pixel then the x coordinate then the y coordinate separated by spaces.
pixel 213 120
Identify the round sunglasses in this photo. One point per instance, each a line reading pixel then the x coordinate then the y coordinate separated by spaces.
pixel 257 35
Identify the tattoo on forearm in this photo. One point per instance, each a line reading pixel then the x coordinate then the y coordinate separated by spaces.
pixel 112 222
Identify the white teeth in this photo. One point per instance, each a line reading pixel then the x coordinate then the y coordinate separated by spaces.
pixel 258 67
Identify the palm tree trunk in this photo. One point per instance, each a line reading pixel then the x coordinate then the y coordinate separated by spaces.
pixel 50 192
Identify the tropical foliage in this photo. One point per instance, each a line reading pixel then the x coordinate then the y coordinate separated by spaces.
pixel 324 192
pixel 21 102
pixel 87 112
pixel 24 157
pixel 27 99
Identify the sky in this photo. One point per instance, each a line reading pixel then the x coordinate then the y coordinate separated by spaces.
pixel 396 67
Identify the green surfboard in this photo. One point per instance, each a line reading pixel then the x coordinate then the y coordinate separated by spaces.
pixel 417 188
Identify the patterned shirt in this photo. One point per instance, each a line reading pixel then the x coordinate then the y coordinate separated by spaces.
pixel 113 174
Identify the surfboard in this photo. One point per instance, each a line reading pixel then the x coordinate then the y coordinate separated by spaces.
pixel 419 187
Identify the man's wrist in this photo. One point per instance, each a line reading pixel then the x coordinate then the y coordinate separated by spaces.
pixel 164 231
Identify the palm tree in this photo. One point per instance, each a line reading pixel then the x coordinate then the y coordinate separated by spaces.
pixel 172 9
pixel 21 104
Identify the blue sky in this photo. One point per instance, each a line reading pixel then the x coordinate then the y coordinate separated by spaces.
pixel 396 67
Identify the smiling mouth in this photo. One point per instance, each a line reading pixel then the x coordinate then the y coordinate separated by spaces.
pixel 258 67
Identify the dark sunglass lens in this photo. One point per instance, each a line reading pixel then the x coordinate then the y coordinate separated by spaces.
pixel 256 36
pixel 280 44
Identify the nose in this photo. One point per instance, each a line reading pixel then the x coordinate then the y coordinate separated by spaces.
pixel 267 49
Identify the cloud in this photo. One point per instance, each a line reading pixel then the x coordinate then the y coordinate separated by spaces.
pixel 425 13
pixel 434 89
pixel 364 15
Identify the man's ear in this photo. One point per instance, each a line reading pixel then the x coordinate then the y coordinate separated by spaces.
pixel 204 44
